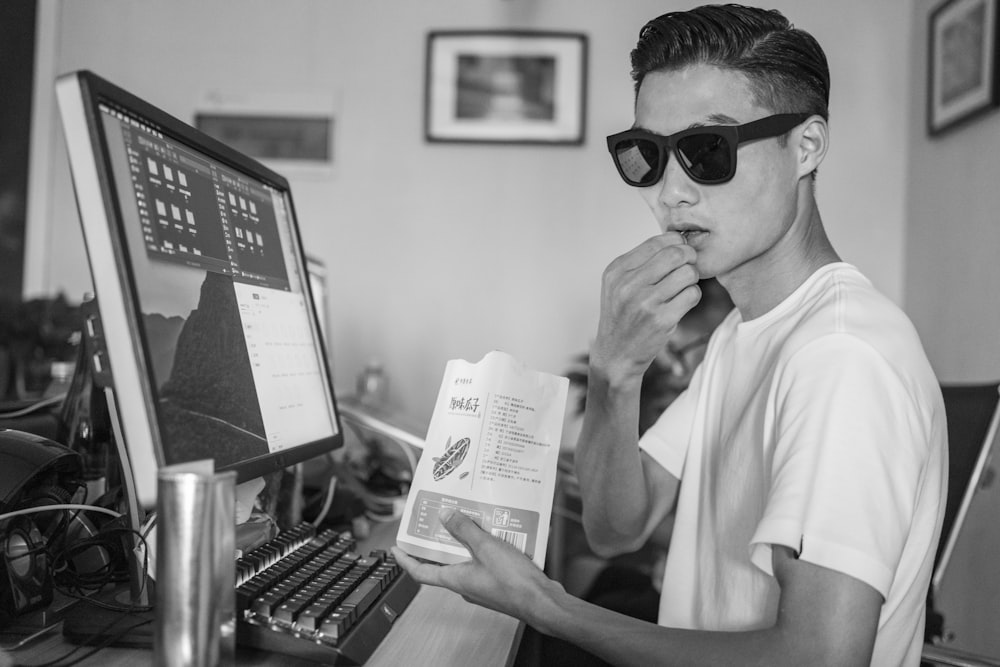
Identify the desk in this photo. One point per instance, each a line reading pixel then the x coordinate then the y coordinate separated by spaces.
pixel 438 628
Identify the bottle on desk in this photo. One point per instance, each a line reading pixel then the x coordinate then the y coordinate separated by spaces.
pixel 373 385
pixel 61 374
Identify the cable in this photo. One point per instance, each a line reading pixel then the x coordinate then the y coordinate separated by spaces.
pixel 66 569
pixel 125 610
pixel 24 641
pixel 64 506
pixel 148 525
pixel 104 644
pixel 107 642
pixel 117 607
pixel 27 410
pixel 328 501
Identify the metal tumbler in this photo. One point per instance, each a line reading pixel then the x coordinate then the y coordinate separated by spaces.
pixel 195 569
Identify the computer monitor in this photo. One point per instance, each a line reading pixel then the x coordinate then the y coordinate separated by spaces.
pixel 206 312
pixel 317 283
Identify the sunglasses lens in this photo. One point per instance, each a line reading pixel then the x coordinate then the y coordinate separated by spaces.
pixel 638 160
pixel 706 157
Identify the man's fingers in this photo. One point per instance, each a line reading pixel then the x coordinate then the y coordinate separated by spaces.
pixel 463 529
pixel 425 573
pixel 675 282
pixel 675 263
pixel 642 253
pixel 675 259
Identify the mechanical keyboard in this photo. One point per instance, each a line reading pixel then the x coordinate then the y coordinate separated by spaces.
pixel 309 594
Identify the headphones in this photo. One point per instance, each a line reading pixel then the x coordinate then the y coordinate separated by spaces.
pixel 35 473
pixel 26 565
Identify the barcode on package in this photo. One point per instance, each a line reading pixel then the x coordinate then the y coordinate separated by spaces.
pixel 515 526
pixel 515 539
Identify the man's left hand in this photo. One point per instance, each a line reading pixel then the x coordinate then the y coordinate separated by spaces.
pixel 498 576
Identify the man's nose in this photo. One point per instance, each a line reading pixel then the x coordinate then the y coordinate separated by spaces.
pixel 675 187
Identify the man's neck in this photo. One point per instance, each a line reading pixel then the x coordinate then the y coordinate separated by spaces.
pixel 767 280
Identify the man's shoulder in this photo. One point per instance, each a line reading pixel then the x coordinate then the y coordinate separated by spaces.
pixel 841 300
pixel 843 305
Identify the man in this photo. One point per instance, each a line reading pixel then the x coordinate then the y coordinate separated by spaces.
pixel 806 463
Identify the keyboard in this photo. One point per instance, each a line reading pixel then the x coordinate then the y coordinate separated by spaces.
pixel 309 594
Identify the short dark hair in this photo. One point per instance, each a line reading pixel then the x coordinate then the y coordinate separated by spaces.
pixel 785 67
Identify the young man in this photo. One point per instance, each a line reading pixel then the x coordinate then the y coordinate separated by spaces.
pixel 806 463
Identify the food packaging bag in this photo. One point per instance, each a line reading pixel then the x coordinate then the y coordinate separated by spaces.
pixel 491 452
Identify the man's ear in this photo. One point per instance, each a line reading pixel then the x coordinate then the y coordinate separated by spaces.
pixel 814 139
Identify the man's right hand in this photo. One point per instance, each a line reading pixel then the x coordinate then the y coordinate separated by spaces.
pixel 644 294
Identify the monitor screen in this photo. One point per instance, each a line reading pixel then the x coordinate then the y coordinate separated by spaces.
pixel 206 311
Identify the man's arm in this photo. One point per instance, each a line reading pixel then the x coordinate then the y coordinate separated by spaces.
pixel 625 495
pixel 644 294
pixel 824 617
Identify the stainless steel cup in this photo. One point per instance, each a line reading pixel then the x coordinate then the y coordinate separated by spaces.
pixel 195 568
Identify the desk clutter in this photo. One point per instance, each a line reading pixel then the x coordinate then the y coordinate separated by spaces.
pixel 306 592
pixel 68 562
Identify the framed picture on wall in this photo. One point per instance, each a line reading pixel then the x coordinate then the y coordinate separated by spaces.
pixel 963 76
pixel 505 87
pixel 292 133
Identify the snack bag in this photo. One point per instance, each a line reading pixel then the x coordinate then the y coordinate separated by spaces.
pixel 491 453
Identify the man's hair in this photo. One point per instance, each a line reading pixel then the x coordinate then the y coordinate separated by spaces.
pixel 785 67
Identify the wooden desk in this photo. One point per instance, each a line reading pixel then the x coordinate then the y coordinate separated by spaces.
pixel 439 628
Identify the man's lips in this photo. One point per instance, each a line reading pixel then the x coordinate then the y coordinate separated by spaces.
pixel 690 233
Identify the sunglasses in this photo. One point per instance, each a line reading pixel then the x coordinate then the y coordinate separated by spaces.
pixel 707 154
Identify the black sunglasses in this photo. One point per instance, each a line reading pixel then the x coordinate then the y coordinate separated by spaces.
pixel 707 153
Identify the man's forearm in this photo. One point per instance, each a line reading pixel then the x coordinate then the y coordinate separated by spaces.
pixel 823 617
pixel 623 640
pixel 609 468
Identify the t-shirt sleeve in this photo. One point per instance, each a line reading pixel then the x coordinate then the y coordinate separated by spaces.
pixel 847 462
pixel 666 441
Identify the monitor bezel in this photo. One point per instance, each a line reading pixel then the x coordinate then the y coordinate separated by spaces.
pixel 79 95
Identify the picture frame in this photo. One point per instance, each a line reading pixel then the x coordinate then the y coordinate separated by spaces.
pixel 510 87
pixel 292 133
pixel 963 79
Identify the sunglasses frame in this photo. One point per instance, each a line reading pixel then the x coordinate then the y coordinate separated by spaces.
pixel 769 126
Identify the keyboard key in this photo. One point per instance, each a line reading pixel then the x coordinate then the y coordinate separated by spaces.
pixel 266 604
pixel 362 597
pixel 285 613
pixel 335 625
pixel 309 620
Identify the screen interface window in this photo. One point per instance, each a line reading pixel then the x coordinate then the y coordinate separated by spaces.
pixel 226 328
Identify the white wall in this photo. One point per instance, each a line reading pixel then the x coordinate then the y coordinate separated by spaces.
pixel 953 232
pixel 443 251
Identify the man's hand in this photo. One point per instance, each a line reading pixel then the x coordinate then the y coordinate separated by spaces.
pixel 498 577
pixel 644 294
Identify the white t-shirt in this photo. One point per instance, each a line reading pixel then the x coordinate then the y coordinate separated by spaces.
pixel 818 426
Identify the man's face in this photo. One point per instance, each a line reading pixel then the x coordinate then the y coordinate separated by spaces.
pixel 738 225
